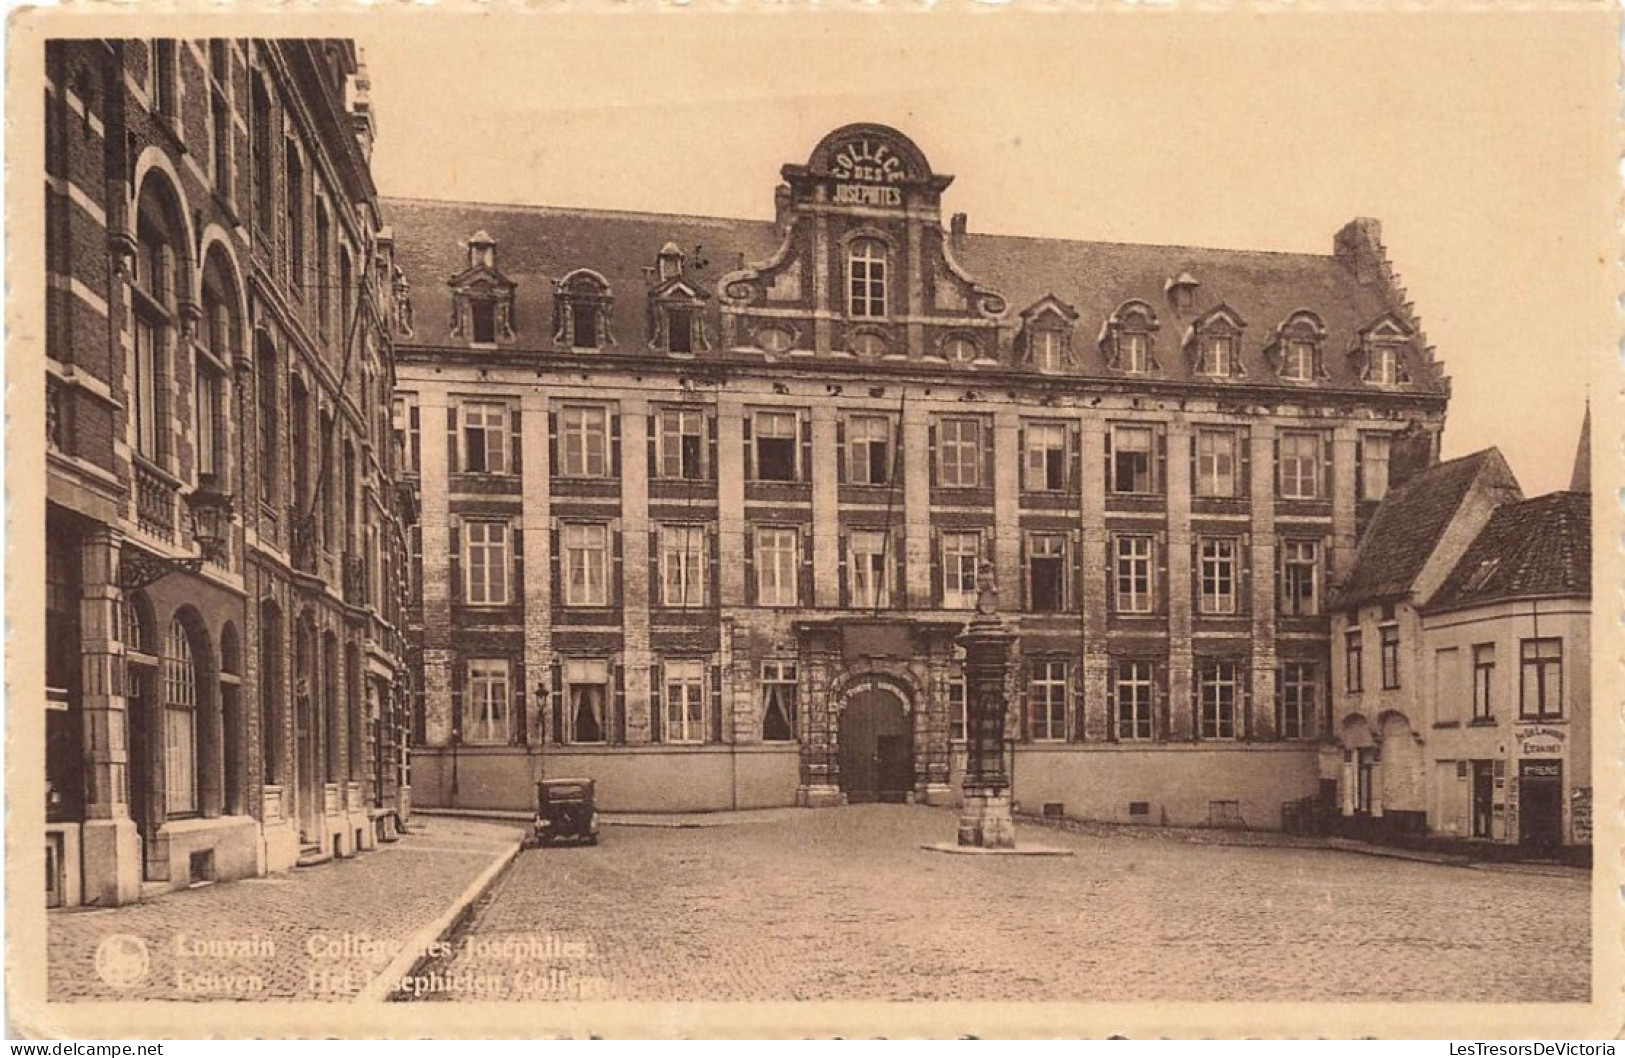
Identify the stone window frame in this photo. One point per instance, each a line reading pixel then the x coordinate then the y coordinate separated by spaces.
pixel 1133 318
pixel 1302 327
pixel 1219 324
pixel 578 290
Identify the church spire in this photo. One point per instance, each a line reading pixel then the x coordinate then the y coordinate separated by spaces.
pixel 1580 481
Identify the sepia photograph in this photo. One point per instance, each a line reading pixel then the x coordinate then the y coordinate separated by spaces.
pixel 696 523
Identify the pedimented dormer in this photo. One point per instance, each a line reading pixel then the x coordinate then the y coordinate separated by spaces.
pixel 1213 344
pixel 1381 349
pixel 677 306
pixel 482 303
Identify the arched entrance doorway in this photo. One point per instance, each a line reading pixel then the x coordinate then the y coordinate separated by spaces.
pixel 877 748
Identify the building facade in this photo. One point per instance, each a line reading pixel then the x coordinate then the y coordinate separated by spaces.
pixel 1463 700
pixel 224 662
pixel 703 500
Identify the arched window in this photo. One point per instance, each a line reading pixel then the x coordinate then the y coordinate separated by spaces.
pixel 866 278
pixel 180 722
pixel 152 299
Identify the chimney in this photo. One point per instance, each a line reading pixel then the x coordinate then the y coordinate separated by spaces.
pixel 1414 450
pixel 1359 246
pixel 956 231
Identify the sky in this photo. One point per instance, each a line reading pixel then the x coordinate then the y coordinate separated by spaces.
pixel 1483 142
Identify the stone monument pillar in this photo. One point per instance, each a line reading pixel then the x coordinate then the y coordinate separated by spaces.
pixel 984 819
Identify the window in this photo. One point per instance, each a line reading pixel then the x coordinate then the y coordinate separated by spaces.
pixel 180 722
pixel 263 139
pixel 586 565
pixel 583 442
pixel 685 701
pixel 774 339
pixel 1134 352
pixel 1046 572
pixel 1354 660
pixel 149 343
pixel 265 394
pixel 1375 449
pixel 1045 457
pixel 1048 349
pixel 166 97
pixel 679 329
pixel 959 350
pixel 1384 366
pixel 487 576
pixel 1540 695
pixel 294 197
pixel 1047 701
pixel 682 565
pixel 1133 575
pixel 776 444
pixel 1299 699
pixel 868 450
pixel 1218 356
pixel 487 701
pixel 1300 578
pixel 961 555
pixel 219 139
pixel 958 713
pixel 584 326
pixel 1132 449
pixel 1300 466
pixel 778 701
pixel 960 456
pixel 485 438
pixel 587 692
pixel 206 418
pixel 778 560
pixel 482 313
pixel 1218 684
pixel 870 586
pixel 1215 463
pixel 1216 571
pixel 324 277
pixel 408 434
pixel 1132 690
pixel 1390 657
pixel 1298 360
pixel 680 438
pixel 866 278
pixel 1483 681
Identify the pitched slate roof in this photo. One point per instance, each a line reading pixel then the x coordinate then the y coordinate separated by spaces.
pixel 1409 524
pixel 1537 547
pixel 537 245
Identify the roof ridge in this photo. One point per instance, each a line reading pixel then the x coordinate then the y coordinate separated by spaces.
pixel 593 211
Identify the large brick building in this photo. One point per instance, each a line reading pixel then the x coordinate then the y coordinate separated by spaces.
pixel 703 499
pixel 221 527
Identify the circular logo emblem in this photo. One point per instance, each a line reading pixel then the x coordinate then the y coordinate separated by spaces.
pixel 121 960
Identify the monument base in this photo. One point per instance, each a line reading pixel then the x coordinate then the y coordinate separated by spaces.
pixel 984 819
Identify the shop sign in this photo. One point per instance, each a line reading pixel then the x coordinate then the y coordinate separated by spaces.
pixel 1540 769
pixel 1540 741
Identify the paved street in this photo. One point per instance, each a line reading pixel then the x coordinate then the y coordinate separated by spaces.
pixel 313 933
pixel 844 904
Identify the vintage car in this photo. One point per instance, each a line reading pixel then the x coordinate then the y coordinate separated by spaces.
pixel 565 810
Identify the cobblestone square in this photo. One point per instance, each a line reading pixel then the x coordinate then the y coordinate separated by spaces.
pixel 844 904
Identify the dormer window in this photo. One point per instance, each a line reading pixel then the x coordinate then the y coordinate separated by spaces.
pixel 482 297
pixel 1182 292
pixel 1296 349
pixel 1214 344
pixel 581 305
pixel 676 306
pixel 1382 347
pixel 1127 339
pixel 1047 334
